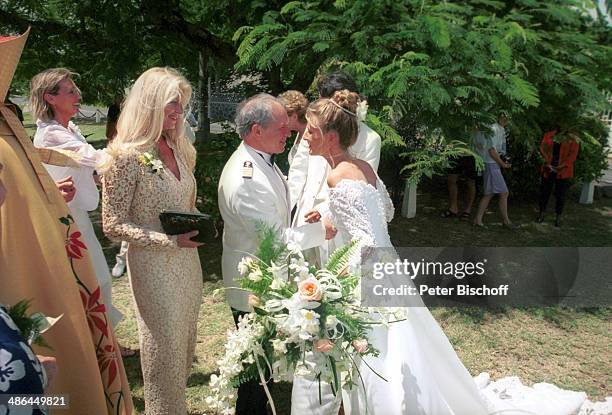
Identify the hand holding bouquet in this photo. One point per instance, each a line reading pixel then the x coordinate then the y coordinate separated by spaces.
pixel 305 321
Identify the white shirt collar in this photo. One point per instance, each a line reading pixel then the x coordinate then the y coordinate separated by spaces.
pixel 267 157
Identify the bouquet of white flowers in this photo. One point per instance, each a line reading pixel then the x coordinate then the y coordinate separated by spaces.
pixel 305 320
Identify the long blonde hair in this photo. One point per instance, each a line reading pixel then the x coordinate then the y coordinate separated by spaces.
pixel 142 118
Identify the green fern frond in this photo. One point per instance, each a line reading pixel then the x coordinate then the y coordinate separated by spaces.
pixel 436 97
pixel 434 158
pixel 320 46
pixel 18 314
pixel 412 56
pixel 291 7
pixel 388 134
pixel 273 56
pixel 248 373
pixel 359 68
pixel 438 30
pixel 496 5
pixel 467 91
pixel 28 325
pixel 340 4
pixel 502 54
pixel 270 246
pixel 297 36
pixel 513 31
pixel 522 91
pixel 448 8
pixel 402 83
pixel 303 16
pixel 240 32
pixel 340 258
pixel 322 33
pixel 481 20
pixel 380 76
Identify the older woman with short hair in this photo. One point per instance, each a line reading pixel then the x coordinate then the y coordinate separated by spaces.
pixel 55 99
pixel 151 170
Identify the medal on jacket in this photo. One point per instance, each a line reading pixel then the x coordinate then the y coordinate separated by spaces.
pixel 247 170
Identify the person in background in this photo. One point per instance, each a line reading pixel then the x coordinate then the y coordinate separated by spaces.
pixel 489 146
pixel 13 107
pixel 55 99
pixel 296 104
pixel 190 124
pixel 464 166
pixel 112 115
pixel 150 170
pixel 560 152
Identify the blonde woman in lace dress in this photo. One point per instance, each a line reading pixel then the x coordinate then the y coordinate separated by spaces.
pixel 151 170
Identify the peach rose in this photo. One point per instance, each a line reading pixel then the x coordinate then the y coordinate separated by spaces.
pixel 310 289
pixel 253 300
pixel 361 345
pixel 323 345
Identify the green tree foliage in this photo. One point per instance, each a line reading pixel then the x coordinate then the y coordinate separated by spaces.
pixel 438 69
pixel 109 42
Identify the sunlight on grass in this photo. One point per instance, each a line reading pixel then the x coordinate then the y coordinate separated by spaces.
pixel 567 347
pixel 561 346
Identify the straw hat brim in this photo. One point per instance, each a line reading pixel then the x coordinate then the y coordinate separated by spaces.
pixel 10 50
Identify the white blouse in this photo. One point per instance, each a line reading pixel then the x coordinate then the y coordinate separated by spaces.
pixel 54 136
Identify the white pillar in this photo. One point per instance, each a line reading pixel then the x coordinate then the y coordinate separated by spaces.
pixel 409 202
pixel 98 116
pixel 586 196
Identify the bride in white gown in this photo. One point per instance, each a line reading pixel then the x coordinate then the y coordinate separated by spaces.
pixel 424 375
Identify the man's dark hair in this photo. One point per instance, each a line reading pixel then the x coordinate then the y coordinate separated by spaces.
pixel 335 81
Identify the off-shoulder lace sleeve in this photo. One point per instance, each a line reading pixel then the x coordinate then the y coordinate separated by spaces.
pixel 386 200
pixel 120 183
pixel 349 213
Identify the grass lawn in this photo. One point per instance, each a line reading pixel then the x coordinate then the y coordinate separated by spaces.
pixel 567 347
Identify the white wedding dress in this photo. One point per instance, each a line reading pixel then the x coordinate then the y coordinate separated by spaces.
pixel 424 374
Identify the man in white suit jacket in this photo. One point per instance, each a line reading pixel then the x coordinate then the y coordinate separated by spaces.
pixel 308 174
pixel 252 190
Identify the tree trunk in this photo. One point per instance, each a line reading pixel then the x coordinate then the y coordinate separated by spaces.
pixel 274 80
pixel 203 120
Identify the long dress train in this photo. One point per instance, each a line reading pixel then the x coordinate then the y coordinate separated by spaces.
pixel 424 375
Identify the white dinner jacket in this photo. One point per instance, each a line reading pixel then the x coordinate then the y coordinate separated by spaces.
pixel 252 192
pixel 367 146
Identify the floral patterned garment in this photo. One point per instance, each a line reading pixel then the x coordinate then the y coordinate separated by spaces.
pixel 20 371
pixel 55 272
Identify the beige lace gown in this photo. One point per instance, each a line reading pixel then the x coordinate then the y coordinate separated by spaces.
pixel 166 280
